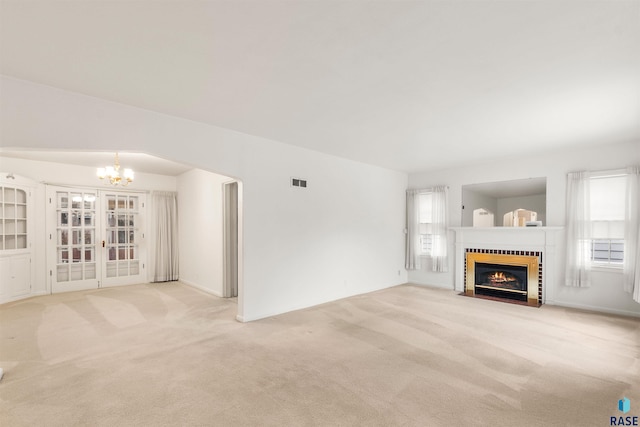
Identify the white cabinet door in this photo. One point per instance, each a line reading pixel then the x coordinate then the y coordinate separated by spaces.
pixel 15 272
pixel 5 279
pixel 21 276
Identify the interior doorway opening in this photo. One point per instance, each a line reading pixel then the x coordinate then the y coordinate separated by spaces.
pixel 230 239
pixel 200 218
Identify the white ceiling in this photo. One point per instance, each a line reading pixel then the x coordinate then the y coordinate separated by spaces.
pixel 139 162
pixel 408 85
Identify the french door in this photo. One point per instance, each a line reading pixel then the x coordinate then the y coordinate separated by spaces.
pixel 121 238
pixel 96 238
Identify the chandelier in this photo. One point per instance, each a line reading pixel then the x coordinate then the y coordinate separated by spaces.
pixel 112 173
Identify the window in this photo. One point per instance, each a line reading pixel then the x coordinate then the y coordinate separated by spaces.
pixel 607 204
pixel 429 238
pixel 427 229
pixel 425 221
pixel 608 251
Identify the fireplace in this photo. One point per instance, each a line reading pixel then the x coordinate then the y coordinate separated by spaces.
pixel 506 275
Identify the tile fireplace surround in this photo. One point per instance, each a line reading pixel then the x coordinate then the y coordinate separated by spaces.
pixel 509 240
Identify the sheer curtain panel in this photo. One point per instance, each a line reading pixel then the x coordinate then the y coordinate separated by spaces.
pixel 412 254
pixel 165 228
pixel 578 227
pixel 632 234
pixel 439 259
pixel 427 228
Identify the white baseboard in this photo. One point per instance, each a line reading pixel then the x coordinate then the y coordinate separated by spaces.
pixel 305 305
pixel 201 288
pixel 21 297
pixel 592 308
pixel 431 285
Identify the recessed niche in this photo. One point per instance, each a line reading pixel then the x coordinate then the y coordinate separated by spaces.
pixel 493 200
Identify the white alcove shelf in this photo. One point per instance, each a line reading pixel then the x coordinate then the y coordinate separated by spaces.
pixel 502 197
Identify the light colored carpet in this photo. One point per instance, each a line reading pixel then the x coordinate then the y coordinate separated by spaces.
pixel 166 354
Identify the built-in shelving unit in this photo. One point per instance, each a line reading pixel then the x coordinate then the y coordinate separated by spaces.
pixel 16 213
pixel 13 215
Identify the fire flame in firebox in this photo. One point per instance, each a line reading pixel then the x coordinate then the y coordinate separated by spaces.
pixel 500 277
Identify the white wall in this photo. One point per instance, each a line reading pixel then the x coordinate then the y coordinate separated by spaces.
pixel 343 235
pixel 606 294
pixel 340 237
pixel 200 221
pixel 64 174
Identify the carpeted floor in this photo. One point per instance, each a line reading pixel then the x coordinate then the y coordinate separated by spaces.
pixel 166 354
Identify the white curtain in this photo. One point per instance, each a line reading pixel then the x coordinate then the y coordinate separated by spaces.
pixel 632 234
pixel 439 259
pixel 578 228
pixel 412 252
pixel 164 218
pixel 437 226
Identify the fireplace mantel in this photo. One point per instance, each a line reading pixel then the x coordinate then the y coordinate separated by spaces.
pixel 541 239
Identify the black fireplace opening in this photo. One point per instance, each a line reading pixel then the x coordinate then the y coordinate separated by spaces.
pixel 501 281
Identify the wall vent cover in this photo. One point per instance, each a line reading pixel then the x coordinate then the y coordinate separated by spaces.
pixel 298 182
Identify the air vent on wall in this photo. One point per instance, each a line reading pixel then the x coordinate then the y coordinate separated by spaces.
pixel 297 182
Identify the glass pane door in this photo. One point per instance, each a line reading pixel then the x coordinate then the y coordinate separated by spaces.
pixel 122 238
pixel 95 238
pixel 73 239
